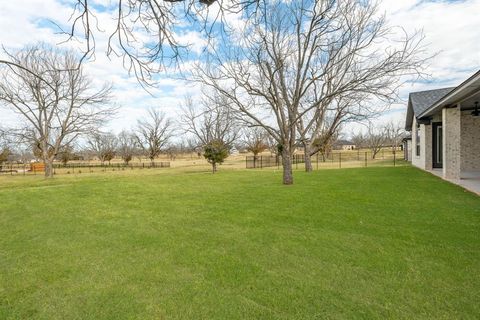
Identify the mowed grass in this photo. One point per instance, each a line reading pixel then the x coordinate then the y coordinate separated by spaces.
pixel 351 243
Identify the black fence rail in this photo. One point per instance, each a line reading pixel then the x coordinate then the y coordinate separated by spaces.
pixel 112 165
pixel 333 159
pixel 59 168
pixel 270 161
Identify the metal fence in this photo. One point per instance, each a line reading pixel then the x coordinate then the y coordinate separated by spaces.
pixel 59 168
pixel 331 160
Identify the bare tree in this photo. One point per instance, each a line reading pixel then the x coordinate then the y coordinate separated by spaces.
pixel 255 141
pixel 145 33
pixel 322 144
pixel 104 145
pixel 395 132
pixel 153 133
pixel 300 57
pixel 213 119
pixel 53 97
pixel 358 139
pixel 5 149
pixel 320 126
pixel 127 145
pixel 375 139
pixel 213 125
pixel 65 154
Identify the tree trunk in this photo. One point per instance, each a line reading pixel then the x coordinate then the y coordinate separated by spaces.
pixel 287 167
pixel 214 167
pixel 308 158
pixel 48 168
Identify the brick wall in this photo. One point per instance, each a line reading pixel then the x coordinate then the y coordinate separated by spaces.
pixel 470 142
pixel 451 142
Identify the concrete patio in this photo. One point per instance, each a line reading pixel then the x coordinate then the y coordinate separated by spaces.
pixel 468 180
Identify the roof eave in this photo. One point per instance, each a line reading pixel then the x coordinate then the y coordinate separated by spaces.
pixel 454 96
pixel 409 117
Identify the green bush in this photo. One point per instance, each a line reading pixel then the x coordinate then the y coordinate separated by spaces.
pixel 216 151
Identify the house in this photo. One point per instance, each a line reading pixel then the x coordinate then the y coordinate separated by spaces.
pixel 445 132
pixel 407 148
pixel 343 145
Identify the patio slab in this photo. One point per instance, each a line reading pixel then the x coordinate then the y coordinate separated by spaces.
pixel 469 180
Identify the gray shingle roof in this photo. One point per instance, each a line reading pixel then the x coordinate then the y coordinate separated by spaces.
pixel 422 100
pixel 343 143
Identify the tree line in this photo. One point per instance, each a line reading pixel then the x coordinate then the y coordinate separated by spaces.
pixel 295 73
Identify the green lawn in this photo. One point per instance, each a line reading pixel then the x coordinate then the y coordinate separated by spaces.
pixel 351 243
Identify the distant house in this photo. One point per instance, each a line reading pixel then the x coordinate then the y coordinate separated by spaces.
pixel 343 145
pixel 445 130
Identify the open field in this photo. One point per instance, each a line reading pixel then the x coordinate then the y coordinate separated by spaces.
pixel 175 244
pixel 189 162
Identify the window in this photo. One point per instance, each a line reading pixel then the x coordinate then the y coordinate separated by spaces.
pixel 417 140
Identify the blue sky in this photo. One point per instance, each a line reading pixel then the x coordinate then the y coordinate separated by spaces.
pixel 451 29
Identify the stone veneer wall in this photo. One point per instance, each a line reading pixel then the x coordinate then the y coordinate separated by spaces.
pixel 451 142
pixel 424 161
pixel 416 160
pixel 426 144
pixel 470 142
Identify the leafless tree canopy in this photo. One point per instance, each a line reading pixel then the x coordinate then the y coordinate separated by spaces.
pixel 376 138
pixel 395 132
pixel 212 120
pixel 53 97
pixel 5 149
pixel 65 154
pixel 310 61
pixel 153 133
pixel 147 32
pixel 103 145
pixel 127 145
pixel 255 140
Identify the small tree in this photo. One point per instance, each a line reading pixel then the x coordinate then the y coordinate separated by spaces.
pixel 4 148
pixel 324 144
pixel 216 151
pixel 66 154
pixel 4 155
pixel 153 133
pixel 375 139
pixel 103 145
pixel 359 140
pixel 255 140
pixel 395 133
pixel 214 126
pixel 127 146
